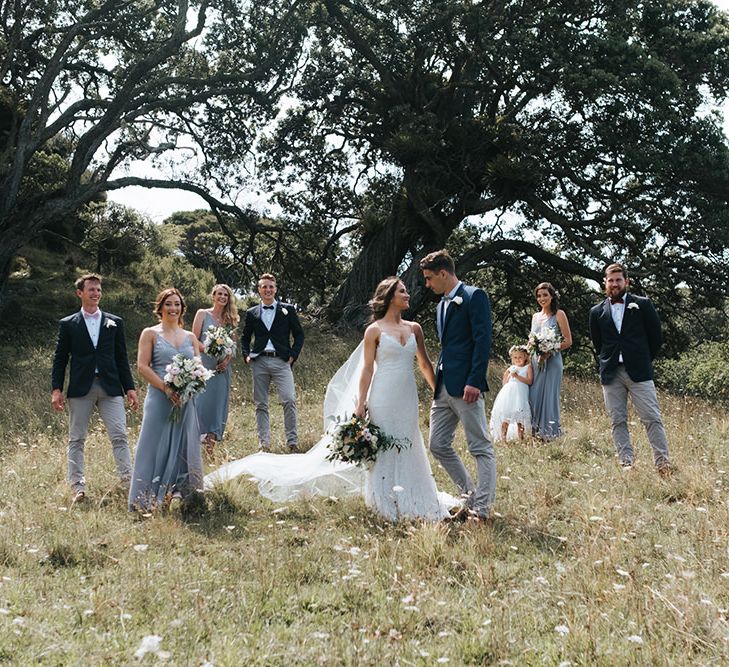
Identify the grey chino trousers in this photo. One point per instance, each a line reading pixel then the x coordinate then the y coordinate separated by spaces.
pixel 111 410
pixel 445 414
pixel 645 402
pixel 264 370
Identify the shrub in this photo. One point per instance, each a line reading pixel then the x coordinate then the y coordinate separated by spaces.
pixel 701 372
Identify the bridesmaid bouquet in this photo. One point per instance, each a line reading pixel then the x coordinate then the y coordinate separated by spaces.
pixel 359 441
pixel 187 376
pixel 218 343
pixel 545 341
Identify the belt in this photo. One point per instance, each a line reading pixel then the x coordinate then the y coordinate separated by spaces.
pixel 268 353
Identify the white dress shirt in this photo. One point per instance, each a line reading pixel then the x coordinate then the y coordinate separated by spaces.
pixel 93 325
pixel 617 310
pixel 443 308
pixel 267 316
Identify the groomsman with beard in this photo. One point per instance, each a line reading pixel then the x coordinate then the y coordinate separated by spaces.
pixel 626 333
pixel 100 376
pixel 273 325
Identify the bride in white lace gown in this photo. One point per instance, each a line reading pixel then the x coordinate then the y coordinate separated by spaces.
pixel 400 484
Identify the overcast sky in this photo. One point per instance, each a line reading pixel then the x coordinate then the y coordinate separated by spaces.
pixel 159 204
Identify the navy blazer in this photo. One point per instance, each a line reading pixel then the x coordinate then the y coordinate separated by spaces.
pixel 109 357
pixel 285 326
pixel 638 340
pixel 465 342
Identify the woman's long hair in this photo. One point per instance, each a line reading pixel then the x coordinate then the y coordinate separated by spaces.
pixel 552 292
pixel 382 298
pixel 163 296
pixel 230 312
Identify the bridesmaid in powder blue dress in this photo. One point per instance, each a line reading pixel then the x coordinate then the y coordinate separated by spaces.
pixel 168 462
pixel 212 404
pixel 544 393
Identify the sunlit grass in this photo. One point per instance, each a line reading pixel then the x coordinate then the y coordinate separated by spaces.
pixel 585 563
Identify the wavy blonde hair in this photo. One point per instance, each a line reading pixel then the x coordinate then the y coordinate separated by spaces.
pixel 230 312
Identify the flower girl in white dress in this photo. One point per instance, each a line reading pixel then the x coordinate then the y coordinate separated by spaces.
pixel 511 407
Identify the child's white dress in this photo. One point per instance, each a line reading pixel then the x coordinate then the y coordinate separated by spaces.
pixel 512 406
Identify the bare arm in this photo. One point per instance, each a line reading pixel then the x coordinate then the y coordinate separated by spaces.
pixel 507 375
pixel 144 359
pixel 371 339
pixel 564 328
pixel 424 362
pixel 197 323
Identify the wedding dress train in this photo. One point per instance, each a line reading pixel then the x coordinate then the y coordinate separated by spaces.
pixel 399 485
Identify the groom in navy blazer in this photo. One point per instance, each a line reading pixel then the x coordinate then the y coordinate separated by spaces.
pixel 463 322
pixel 100 376
pixel 277 342
pixel 626 332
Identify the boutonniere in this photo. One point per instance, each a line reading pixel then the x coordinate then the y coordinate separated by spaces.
pixel 284 311
pixel 633 304
pixel 458 300
pixel 108 323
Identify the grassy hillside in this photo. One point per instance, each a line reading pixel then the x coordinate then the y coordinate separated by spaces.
pixel 585 564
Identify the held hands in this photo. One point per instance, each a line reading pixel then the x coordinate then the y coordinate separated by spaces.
pixel 471 394
pixel 172 396
pixel 223 363
pixel 57 401
pixel 132 399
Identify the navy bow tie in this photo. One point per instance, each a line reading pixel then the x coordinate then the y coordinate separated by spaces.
pixel 268 307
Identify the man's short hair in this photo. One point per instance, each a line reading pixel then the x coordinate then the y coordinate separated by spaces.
pixel 615 267
pixel 80 282
pixel 267 276
pixel 438 261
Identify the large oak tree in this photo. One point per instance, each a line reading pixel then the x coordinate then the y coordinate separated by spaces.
pixel 573 132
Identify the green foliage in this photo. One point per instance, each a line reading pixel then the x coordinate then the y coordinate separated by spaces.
pixel 702 371
pixel 116 235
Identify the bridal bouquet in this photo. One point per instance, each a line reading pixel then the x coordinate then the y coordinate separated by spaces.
pixel 546 341
pixel 359 441
pixel 218 343
pixel 186 376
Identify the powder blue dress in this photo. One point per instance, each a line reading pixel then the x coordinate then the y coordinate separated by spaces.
pixel 212 404
pixel 168 456
pixel 545 390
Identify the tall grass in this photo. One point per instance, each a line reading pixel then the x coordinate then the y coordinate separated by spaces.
pixel 585 563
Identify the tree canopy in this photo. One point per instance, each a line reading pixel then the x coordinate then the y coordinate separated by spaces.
pixel 534 139
pixel 116 82
pixel 571 133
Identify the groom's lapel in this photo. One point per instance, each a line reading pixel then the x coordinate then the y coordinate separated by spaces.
pixel 608 313
pixel 451 308
pixel 103 330
pixel 83 330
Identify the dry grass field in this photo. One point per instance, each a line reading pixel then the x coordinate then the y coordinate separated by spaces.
pixel 585 564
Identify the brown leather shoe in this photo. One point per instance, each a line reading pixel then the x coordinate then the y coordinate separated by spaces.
pixel 665 471
pixel 79 498
pixel 294 449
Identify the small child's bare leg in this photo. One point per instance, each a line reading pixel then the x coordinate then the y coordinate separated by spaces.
pixel 520 430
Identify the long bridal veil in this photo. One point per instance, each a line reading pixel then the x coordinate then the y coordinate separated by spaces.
pixel 284 477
